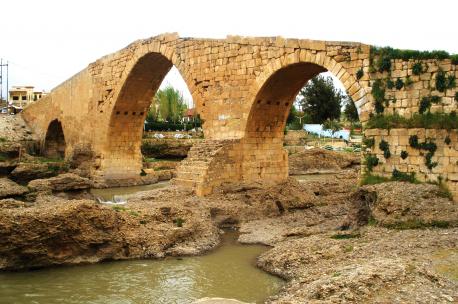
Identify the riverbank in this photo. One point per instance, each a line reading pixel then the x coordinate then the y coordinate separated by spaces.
pixel 325 243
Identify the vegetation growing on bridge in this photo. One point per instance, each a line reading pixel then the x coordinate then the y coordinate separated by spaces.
pixel 427 120
pixel 387 53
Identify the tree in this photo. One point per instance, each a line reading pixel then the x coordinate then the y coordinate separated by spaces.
pixel 350 111
pixel 320 99
pixel 169 104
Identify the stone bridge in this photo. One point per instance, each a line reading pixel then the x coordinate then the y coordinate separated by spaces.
pixel 242 88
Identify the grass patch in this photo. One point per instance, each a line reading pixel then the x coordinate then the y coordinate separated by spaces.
pixel 345 236
pixel 348 248
pixel 118 208
pixel 370 179
pixel 3 139
pixel 418 224
pixel 179 222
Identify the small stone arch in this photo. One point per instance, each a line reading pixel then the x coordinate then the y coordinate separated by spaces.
pixel 54 145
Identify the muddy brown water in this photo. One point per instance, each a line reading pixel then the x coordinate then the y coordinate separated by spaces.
pixel 107 194
pixel 228 272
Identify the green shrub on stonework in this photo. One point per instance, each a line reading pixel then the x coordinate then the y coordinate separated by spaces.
pixel 428 120
pixel 404 154
pixel 378 92
pixel 417 68
pixel 399 84
pixel 425 103
pixel 389 84
pixel 371 162
pixel 454 58
pixel 385 147
pixel 369 142
pixel 451 81
pixel 441 81
pixel 408 82
pixel 403 177
pixel 456 96
pixel 359 74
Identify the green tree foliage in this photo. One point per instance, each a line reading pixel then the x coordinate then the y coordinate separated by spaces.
pixel 350 111
pixel 168 105
pixel 320 100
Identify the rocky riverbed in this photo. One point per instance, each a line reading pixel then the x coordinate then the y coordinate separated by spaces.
pixel 332 241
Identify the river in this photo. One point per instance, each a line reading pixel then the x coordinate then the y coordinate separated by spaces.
pixel 228 272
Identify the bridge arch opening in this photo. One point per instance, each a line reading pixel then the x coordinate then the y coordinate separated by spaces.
pixel 130 111
pixel 265 128
pixel 55 145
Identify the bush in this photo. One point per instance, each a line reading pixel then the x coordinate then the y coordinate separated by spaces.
pixel 399 84
pixel 359 74
pixel 378 92
pixel 417 68
pixel 369 142
pixel 385 147
pixel 441 81
pixel 428 120
pixel 371 162
pixel 389 84
pixel 404 154
pixel 403 177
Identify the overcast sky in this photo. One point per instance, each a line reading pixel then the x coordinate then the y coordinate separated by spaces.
pixel 48 41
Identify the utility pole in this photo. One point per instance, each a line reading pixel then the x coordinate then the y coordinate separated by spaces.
pixel 1 81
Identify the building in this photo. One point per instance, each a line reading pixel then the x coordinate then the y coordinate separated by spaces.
pixel 20 96
pixel 189 115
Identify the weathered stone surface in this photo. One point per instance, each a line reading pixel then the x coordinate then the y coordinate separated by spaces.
pixel 321 161
pixel 26 172
pixel 62 182
pixel 167 148
pixel 403 205
pixel 89 232
pixel 243 89
pixel 8 188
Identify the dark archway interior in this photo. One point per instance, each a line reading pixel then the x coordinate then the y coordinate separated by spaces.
pixel 273 102
pixel 54 146
pixel 126 123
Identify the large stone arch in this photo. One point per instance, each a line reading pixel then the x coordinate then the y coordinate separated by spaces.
pixel 142 76
pixel 300 67
pixel 274 92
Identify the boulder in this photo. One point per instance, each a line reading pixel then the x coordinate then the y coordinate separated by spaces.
pixel 60 183
pixel 26 172
pixel 402 205
pixel 8 188
pixel 321 161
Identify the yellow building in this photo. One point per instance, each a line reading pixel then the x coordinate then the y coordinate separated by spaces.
pixel 20 96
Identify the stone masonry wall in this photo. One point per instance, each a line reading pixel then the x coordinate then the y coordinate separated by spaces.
pixel 243 89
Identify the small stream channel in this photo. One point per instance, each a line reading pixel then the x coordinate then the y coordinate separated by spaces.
pixel 229 271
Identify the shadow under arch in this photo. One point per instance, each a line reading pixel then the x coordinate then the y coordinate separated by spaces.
pixel 123 157
pixel 54 145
